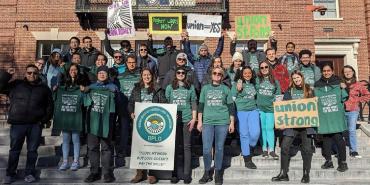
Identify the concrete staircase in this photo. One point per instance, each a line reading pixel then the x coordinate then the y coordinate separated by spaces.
pixel 235 172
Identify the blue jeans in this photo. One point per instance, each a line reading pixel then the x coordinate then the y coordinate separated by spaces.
pixel 210 133
pixel 268 135
pixel 351 122
pixel 249 130
pixel 76 144
pixel 18 133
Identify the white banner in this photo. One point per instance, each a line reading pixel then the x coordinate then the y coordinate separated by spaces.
pixel 153 138
pixel 204 25
pixel 119 19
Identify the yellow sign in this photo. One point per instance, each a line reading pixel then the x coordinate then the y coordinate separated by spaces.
pixel 298 113
pixel 165 23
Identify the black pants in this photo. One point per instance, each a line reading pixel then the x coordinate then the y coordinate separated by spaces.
pixel 18 133
pixel 99 146
pixel 122 132
pixel 183 138
pixel 306 149
pixel 339 142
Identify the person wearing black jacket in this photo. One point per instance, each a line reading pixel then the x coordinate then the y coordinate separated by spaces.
pixel 31 105
pixel 145 91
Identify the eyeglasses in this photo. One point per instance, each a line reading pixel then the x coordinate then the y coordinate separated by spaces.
pixel 264 67
pixel 117 56
pixel 181 59
pixel 180 72
pixel 217 74
pixel 143 50
pixel 32 72
pixel 124 45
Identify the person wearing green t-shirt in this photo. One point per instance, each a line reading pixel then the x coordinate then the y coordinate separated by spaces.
pixel 310 71
pixel 244 95
pixel 216 63
pixel 331 94
pixel 298 90
pixel 147 90
pixel 215 120
pixel 237 64
pixel 101 99
pixel 182 93
pixel 267 88
pixel 68 114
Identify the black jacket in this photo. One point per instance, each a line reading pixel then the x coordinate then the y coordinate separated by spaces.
pixel 88 58
pixel 158 97
pixel 29 103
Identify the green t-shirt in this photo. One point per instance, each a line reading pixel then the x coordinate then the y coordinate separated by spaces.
pixel 309 75
pixel 145 96
pixel 291 65
pixel 246 99
pixel 231 74
pixel 184 98
pixel 128 82
pixel 266 93
pixel 216 99
pixel 331 109
pixel 67 109
pixel 296 94
pixel 102 104
pixel 253 61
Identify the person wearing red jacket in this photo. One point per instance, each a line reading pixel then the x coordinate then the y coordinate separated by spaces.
pixel 357 92
pixel 279 71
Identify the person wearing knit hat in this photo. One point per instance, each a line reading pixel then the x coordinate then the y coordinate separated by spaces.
pixel 203 61
pixel 182 56
pixel 102 68
pixel 237 64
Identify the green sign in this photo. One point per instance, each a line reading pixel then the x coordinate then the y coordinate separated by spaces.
pixel 165 23
pixel 253 26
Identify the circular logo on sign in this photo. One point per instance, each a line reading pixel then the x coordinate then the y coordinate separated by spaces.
pixel 154 124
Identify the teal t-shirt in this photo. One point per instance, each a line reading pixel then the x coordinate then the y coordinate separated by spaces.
pixel 291 63
pixel 128 82
pixel 296 94
pixel 215 99
pixel 67 109
pixel 309 75
pixel 253 61
pixel 184 98
pixel 145 96
pixel 246 99
pixel 102 105
pixel 266 93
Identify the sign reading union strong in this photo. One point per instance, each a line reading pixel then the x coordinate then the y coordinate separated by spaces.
pixel 154 124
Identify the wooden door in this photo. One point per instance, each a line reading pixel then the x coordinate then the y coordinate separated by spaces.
pixel 336 61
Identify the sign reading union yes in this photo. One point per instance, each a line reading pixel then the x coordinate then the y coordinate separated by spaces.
pixel 153 141
pixel 204 25
pixel 298 113
pixel 253 26
pixel 165 23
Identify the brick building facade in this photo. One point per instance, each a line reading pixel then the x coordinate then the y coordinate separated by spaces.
pixel 29 29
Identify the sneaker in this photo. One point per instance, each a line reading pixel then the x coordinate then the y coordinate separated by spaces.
pixel 92 178
pixel 265 154
pixel 9 180
pixel 274 156
pixel 75 166
pixel 64 166
pixel 327 165
pixel 29 179
pixel 355 155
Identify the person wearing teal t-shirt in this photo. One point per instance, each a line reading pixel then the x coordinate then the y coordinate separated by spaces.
pixel 331 94
pixel 182 93
pixel 215 120
pixel 267 88
pixel 244 95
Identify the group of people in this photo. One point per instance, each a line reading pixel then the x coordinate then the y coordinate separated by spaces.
pixel 85 98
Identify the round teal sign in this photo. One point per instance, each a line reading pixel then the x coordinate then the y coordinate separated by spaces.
pixel 154 124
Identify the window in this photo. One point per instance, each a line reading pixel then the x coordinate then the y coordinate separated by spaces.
pixel 44 48
pixel 332 9
pixel 243 45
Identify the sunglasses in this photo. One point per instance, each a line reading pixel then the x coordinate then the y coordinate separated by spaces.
pixel 32 72
pixel 217 74
pixel 181 59
pixel 264 67
pixel 124 45
pixel 143 50
pixel 117 56
pixel 180 72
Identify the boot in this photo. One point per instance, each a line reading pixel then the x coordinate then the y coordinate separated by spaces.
pixel 206 177
pixel 139 176
pixel 306 176
pixel 248 162
pixel 327 165
pixel 342 167
pixel 283 176
pixel 152 180
pixel 219 177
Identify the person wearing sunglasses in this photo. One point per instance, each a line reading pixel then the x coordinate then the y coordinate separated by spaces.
pixel 182 93
pixel 125 47
pixel 181 61
pixel 119 65
pixel 267 88
pixel 144 60
pixel 216 63
pixel 31 106
pixel 215 119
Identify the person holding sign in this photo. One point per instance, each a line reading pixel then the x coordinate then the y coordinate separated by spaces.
pixel 244 96
pixel 357 92
pixel 182 93
pixel 298 90
pixel 331 93
pixel 148 91
pixel 101 102
pixel 215 120
pixel 125 47
pixel 267 88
